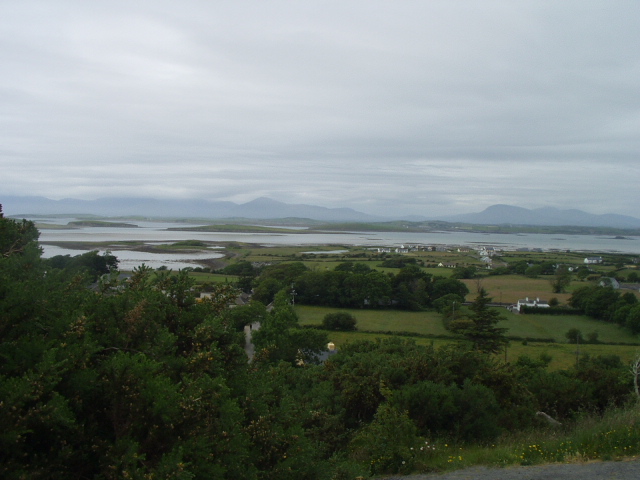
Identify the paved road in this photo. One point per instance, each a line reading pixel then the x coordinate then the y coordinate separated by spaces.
pixel 623 470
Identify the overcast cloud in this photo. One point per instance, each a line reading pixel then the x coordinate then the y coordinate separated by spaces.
pixel 411 107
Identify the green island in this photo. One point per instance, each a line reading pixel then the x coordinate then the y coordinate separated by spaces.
pixel 100 224
pixel 305 225
pixel 360 363
pixel 236 228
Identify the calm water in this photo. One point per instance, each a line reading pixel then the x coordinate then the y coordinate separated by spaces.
pixel 156 232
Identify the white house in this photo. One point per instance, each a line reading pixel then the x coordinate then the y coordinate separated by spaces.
pixel 592 260
pixel 527 302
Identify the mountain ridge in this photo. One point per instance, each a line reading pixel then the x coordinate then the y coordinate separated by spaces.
pixel 260 208
pixel 264 208
pixel 501 214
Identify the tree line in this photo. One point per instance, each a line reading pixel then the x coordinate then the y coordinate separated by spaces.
pixel 608 304
pixel 352 285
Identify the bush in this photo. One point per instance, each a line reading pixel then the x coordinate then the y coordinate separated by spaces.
pixel 386 444
pixel 342 321
pixel 574 336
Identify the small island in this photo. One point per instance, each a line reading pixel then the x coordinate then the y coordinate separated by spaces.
pixel 100 224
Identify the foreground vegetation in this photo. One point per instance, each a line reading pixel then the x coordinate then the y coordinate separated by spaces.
pixel 105 377
pixel 612 436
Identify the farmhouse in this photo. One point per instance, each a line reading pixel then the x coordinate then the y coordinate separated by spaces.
pixel 527 302
pixel 593 260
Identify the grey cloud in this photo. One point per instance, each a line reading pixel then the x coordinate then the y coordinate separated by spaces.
pixel 403 106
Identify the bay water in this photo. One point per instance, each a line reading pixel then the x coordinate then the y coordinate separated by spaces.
pixel 158 233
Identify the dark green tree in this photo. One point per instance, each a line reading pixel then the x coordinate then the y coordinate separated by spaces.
pixel 447 286
pixel 561 279
pixel 464 272
pixel 447 304
pixel 533 271
pixel 632 322
pixel 574 335
pixel 342 321
pixel 481 329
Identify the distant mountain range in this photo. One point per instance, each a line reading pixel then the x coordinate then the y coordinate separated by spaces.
pixel 265 209
pixel 547 216
pixel 260 208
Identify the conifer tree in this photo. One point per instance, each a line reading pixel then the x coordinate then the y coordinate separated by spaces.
pixel 482 329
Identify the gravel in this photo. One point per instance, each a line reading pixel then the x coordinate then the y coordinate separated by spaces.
pixel 621 470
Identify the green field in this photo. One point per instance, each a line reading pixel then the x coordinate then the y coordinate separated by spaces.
pixel 430 324
pixel 201 278
pixel 555 326
pixel 426 328
pixel 511 288
pixel 422 323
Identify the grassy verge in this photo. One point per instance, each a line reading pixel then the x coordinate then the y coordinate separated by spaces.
pixel 614 436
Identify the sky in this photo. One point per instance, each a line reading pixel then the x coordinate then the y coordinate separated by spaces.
pixel 388 107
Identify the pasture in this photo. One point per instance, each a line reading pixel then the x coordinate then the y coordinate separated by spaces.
pixel 511 288
pixel 426 328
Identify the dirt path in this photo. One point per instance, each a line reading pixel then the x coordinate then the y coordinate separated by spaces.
pixel 622 470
